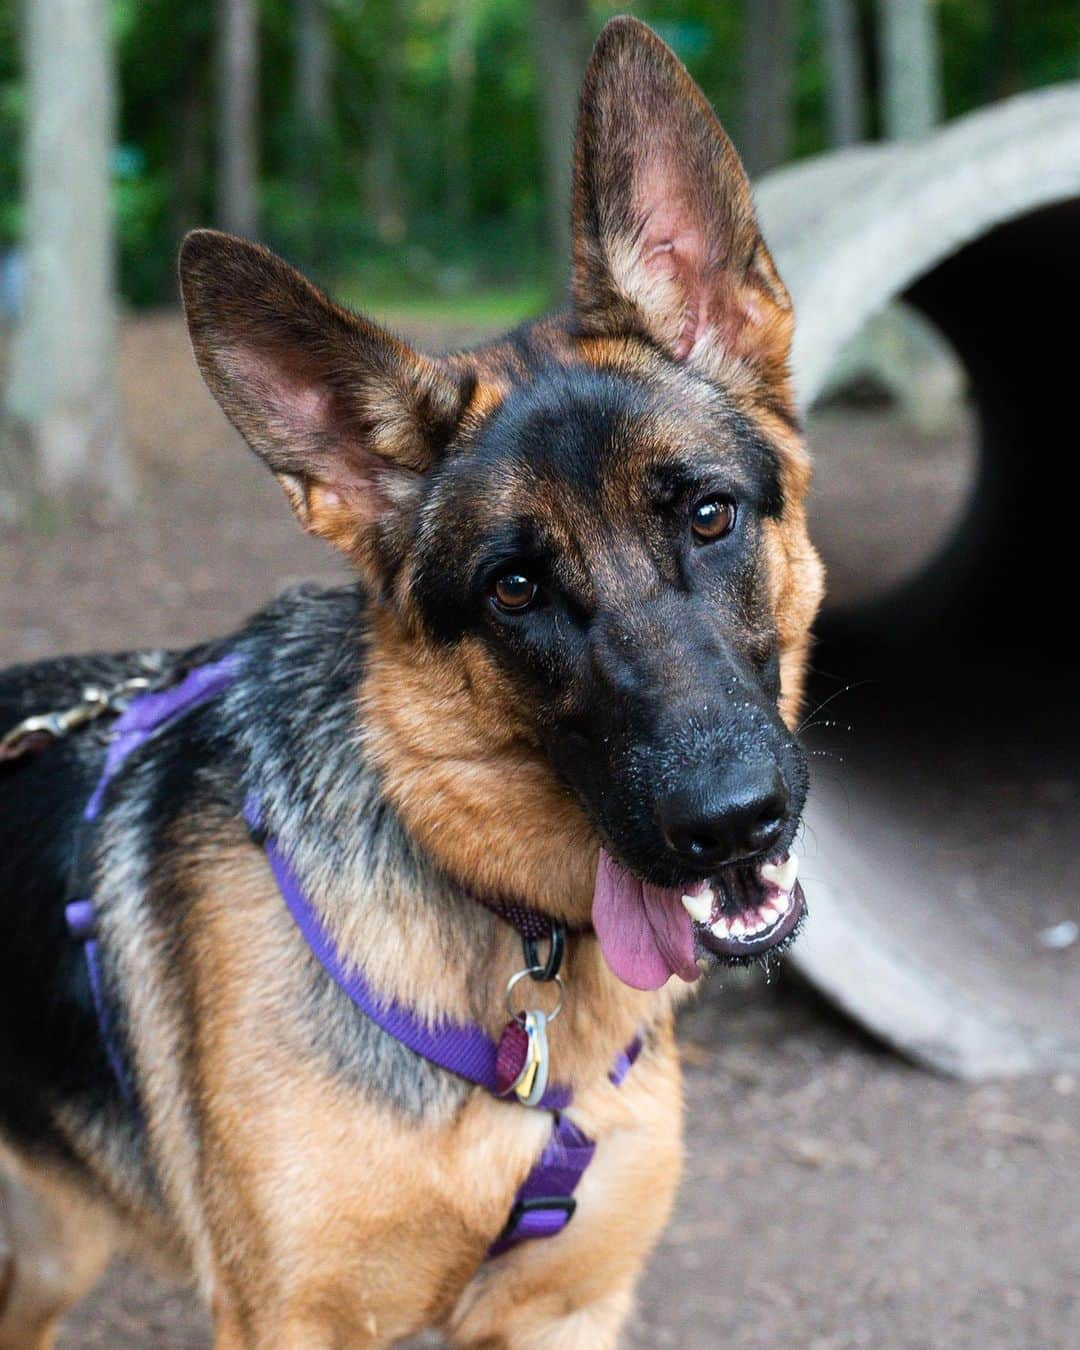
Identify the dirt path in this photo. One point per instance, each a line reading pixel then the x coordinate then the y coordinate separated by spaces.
pixel 834 1196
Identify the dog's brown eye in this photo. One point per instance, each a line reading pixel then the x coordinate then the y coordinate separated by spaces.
pixel 712 519
pixel 515 592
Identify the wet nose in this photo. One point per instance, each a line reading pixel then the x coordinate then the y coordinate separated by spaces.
pixel 738 813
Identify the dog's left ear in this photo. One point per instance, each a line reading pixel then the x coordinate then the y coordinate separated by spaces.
pixel 666 242
pixel 346 416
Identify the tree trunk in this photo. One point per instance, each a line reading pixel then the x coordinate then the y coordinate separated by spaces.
pixel 61 429
pixel 845 84
pixel 189 158
pixel 462 58
pixel 560 32
pixel 768 85
pixel 1003 72
pixel 910 68
pixel 312 114
pixel 238 57
pixel 384 196
pixel 313 65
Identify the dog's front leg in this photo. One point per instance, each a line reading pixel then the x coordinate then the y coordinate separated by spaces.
pixel 593 1327
pixel 301 1329
pixel 575 1291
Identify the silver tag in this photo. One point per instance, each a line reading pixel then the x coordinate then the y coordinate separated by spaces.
pixel 536 1026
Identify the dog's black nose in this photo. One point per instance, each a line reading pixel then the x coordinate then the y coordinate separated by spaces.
pixel 741 812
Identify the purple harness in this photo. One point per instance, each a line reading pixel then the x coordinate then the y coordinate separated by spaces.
pixel 545 1201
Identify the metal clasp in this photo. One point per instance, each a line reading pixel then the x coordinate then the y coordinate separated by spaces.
pixel 531 1082
pixel 96 702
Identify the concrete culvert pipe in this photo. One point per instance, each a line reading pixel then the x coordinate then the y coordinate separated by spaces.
pixel 940 854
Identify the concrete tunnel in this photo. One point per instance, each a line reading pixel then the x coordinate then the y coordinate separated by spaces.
pixel 963 758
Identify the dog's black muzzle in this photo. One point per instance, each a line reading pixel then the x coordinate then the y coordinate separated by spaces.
pixel 681 758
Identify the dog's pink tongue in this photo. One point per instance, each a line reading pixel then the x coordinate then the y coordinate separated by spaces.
pixel 645 933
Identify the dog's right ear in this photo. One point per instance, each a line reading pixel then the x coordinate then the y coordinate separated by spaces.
pixel 345 415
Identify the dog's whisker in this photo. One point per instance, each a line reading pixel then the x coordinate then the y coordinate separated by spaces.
pixel 820 707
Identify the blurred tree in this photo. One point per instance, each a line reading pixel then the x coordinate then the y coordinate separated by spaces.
pixel 165 171
pixel 561 35
pixel 313 65
pixel 384 194
pixel 767 123
pixel 910 61
pixel 238 125
pixel 462 61
pixel 845 90
pixel 313 129
pixel 61 435
pixel 442 163
pixel 189 156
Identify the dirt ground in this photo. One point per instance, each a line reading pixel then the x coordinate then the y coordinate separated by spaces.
pixel 835 1196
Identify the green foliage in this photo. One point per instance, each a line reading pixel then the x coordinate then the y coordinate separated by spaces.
pixel 426 180
pixel 12 99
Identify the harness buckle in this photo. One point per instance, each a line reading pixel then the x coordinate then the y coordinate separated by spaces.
pixel 553 1213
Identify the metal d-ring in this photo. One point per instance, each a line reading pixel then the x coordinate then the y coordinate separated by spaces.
pixel 518 976
pixel 543 971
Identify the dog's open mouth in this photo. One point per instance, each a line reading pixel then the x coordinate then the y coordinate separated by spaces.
pixel 649 933
pixel 747 910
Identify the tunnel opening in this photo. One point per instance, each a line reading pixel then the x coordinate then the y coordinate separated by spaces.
pixel 942 713
pixel 898 396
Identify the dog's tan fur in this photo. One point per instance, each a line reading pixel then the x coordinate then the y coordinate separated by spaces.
pixel 54 1245
pixel 331 1222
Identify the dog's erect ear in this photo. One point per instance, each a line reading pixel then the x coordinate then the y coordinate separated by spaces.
pixel 665 238
pixel 345 415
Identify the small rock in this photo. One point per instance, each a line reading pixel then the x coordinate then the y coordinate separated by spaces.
pixel 1060 935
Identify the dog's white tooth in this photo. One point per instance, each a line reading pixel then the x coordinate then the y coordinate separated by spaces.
pixel 722 927
pixel 782 875
pixel 738 928
pixel 769 913
pixel 699 907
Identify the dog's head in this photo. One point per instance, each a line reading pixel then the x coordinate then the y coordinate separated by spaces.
pixel 587 542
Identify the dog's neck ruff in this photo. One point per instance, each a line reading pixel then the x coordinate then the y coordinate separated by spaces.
pixel 545 1201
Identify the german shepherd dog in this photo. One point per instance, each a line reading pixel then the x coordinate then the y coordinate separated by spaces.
pixel 564 684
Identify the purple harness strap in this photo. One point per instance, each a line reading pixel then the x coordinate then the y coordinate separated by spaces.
pixel 545 1200
pixel 148 713
pixel 81 919
pixel 465 1050
pixel 135 725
